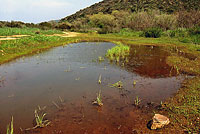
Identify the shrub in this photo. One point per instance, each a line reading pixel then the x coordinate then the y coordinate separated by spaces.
pixel 165 21
pixel 140 21
pixel 64 25
pixel 196 39
pixel 17 24
pixel 121 18
pixel 188 19
pixel 194 30
pixel 152 32
pixel 172 33
pixel 80 24
pixel 106 22
pixel 45 25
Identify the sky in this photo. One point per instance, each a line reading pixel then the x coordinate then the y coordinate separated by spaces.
pixel 36 11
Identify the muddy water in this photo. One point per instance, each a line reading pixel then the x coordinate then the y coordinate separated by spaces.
pixel 71 73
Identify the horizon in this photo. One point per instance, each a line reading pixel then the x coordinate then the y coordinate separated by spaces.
pixel 36 11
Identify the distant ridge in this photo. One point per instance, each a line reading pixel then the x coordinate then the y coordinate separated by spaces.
pixel 107 6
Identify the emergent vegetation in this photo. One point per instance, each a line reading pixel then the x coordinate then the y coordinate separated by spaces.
pixel 10 129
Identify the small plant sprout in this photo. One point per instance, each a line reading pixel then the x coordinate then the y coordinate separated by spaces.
pixel 39 118
pixel 137 101
pixel 134 82
pixel 99 79
pixel 100 59
pixel 10 127
pixel 177 69
pixel 118 84
pixel 98 101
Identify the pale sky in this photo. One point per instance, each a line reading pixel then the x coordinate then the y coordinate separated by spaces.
pixel 40 10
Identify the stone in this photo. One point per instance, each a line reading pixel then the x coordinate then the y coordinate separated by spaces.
pixel 159 121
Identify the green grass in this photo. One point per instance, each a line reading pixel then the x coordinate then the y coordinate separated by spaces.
pixel 6 31
pixel 118 84
pixel 40 121
pixel 98 100
pixel 119 52
pixel 184 107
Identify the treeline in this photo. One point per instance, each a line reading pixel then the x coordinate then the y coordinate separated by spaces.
pixel 117 20
pixel 137 21
pixel 43 25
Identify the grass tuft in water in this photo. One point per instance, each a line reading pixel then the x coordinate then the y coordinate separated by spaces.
pixel 118 84
pixel 117 53
pixel 39 118
pixel 98 101
pixel 99 81
pixel 100 59
pixel 137 101
pixel 10 129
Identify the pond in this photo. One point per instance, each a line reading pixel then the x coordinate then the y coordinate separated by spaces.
pixel 70 73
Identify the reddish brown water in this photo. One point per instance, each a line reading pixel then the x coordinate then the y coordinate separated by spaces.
pixel 72 73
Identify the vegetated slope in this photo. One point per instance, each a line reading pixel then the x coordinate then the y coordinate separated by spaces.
pixel 107 6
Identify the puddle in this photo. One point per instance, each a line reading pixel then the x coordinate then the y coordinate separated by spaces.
pixel 71 73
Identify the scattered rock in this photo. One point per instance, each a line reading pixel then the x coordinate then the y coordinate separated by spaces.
pixel 159 121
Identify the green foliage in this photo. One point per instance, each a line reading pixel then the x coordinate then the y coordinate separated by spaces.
pixel 10 129
pixel 98 100
pixel 152 33
pixel 119 52
pixel 26 45
pixel 184 108
pixel 6 31
pixel 195 39
pixel 137 101
pixel 104 21
pixel 126 32
pixel 118 84
pixel 194 30
pixel 39 118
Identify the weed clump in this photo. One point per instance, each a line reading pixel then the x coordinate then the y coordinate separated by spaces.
pixel 118 84
pixel 117 53
pixel 152 33
pixel 98 101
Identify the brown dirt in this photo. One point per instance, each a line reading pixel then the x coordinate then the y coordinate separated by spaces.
pixel 66 34
pixel 12 37
pixel 111 118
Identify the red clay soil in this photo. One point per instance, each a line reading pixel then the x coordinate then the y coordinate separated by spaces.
pixel 84 118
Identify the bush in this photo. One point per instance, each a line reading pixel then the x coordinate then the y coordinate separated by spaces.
pixel 152 32
pixel 188 19
pixel 165 21
pixel 172 33
pixel 195 30
pixel 196 39
pixel 16 24
pixel 121 17
pixel 64 25
pixel 106 22
pixel 45 25
pixel 140 21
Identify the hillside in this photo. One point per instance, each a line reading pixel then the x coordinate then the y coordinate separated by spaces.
pixel 107 6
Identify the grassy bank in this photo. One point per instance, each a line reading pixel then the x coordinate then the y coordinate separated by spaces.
pixel 7 31
pixel 183 108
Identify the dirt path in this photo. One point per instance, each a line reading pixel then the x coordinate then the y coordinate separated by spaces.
pixel 66 34
pixel 12 37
